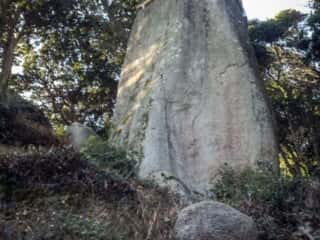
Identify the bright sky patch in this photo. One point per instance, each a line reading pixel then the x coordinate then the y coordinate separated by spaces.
pixel 264 9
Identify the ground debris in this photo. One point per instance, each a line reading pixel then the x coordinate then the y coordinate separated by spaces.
pixel 54 194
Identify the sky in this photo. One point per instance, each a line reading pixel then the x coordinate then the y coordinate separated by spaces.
pixel 263 9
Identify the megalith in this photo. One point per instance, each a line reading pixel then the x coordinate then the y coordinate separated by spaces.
pixel 189 98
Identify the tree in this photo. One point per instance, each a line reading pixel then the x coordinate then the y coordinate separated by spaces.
pixel 292 84
pixel 21 21
pixel 72 56
pixel 271 30
pixel 312 45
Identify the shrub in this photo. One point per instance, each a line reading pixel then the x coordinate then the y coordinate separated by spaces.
pixel 277 203
pixel 57 195
pixel 110 158
pixel 22 123
pixel 58 170
pixel 87 228
pixel 249 185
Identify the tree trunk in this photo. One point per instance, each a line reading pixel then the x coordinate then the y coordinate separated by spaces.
pixel 8 57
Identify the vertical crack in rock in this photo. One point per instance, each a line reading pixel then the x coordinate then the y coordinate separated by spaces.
pixel 170 146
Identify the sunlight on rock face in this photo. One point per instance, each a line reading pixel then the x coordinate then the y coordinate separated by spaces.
pixel 137 68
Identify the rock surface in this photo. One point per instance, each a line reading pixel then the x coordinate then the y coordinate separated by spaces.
pixel 79 134
pixel 189 98
pixel 210 220
pixel 176 187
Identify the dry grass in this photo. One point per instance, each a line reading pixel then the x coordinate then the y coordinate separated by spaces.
pixel 58 196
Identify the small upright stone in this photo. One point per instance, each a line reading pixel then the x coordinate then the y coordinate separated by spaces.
pixel 210 220
pixel 79 134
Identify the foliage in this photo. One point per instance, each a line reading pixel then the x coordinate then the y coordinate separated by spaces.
pixel 248 185
pixel 70 53
pixel 273 29
pixel 110 158
pixel 56 195
pixel 279 205
pixel 291 82
pixel 56 170
pixel 292 87
pixel 21 22
pixel 89 229
pixel 311 44
pixel 22 123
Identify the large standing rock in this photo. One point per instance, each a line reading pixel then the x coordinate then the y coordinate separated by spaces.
pixel 189 98
pixel 214 221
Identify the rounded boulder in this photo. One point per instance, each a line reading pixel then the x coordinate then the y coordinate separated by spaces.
pixel 209 220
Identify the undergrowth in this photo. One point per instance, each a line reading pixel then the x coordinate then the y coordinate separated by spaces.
pixel 283 208
pixel 61 194
pixel 113 159
pixel 57 194
pixel 22 123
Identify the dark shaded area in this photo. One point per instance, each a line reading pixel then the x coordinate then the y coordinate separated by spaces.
pixel 283 208
pixel 56 195
pixel 56 171
pixel 22 123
